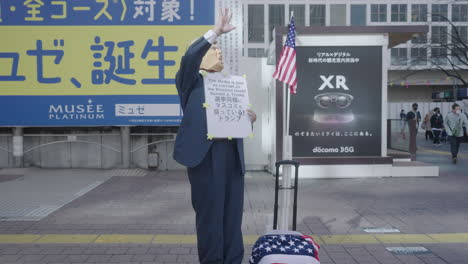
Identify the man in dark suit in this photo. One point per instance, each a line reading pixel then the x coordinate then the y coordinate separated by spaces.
pixel 215 167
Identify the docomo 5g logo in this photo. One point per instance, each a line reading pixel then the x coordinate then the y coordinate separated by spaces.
pixel 340 82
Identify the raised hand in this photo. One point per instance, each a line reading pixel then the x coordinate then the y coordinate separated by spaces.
pixel 224 22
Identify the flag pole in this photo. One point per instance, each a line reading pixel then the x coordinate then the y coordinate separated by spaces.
pixel 285 207
pixel 288 97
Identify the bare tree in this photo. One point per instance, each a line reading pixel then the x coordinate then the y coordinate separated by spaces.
pixel 447 53
pixel 450 55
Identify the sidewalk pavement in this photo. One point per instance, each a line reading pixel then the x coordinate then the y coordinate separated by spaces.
pixel 98 216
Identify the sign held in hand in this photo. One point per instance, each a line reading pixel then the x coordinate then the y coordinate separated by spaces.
pixel 226 104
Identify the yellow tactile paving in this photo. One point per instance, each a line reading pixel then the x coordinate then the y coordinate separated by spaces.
pixel 318 240
pixel 450 238
pixel 446 153
pixel 67 239
pixel 21 239
pixel 175 239
pixel 349 239
pixel 125 239
pixel 405 239
pixel 251 239
pixel 248 239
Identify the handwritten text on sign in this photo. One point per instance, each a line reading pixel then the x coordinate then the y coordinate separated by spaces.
pixel 227 100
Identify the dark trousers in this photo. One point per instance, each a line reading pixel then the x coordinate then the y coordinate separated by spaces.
pixel 428 134
pixel 218 199
pixel 455 145
pixel 436 136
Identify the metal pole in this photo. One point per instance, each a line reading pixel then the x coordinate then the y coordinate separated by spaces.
pixel 287 169
pixel 296 182
pixel 18 147
pixel 125 142
pixel 275 211
pixel 455 90
pixel 412 142
pixel 286 184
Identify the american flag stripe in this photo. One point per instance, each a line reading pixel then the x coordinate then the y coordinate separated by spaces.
pixel 286 68
pixel 289 65
pixel 292 73
pixel 280 64
pixel 286 64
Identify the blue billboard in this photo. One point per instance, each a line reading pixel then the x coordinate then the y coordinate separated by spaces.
pixel 95 62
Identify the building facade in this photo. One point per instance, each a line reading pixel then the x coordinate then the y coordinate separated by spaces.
pixel 248 50
pixel 412 77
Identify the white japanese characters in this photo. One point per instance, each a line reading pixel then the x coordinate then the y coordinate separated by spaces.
pixel 144 7
pixel 170 10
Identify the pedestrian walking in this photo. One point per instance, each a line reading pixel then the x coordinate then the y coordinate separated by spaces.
pixel 402 114
pixel 454 123
pixel 426 125
pixel 437 125
pixel 414 114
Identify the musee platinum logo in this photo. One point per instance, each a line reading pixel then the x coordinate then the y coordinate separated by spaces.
pixel 88 111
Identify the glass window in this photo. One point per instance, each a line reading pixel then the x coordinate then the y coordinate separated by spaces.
pixel 439 12
pixel 338 15
pixel 418 56
pixel 276 13
pixel 460 35
pixel 459 13
pixel 399 56
pixel 459 56
pixel 399 12
pixel 420 39
pixel 299 14
pixel 378 13
pixel 358 15
pixel 419 13
pixel 317 15
pixel 256 53
pixel 439 34
pixel 439 55
pixel 256 29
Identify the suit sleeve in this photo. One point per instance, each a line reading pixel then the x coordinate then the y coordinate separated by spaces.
pixel 190 66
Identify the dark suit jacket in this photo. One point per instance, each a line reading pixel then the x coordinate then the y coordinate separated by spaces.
pixel 191 144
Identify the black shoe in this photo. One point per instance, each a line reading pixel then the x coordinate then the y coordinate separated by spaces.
pixel 454 160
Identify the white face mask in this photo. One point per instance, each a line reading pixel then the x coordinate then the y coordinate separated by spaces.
pixel 213 60
pixel 458 112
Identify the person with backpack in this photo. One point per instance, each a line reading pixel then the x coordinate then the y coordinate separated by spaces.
pixel 454 123
pixel 437 124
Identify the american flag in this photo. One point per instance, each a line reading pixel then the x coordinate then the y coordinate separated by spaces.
pixel 286 67
pixel 285 249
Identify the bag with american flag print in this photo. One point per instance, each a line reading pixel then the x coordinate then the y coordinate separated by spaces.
pixel 285 247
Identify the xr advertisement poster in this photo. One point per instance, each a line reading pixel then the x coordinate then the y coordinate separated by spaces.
pixel 337 108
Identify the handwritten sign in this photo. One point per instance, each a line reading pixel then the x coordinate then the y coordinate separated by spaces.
pixel 227 101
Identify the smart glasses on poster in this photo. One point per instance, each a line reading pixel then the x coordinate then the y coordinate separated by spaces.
pixel 341 100
pixel 333 118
